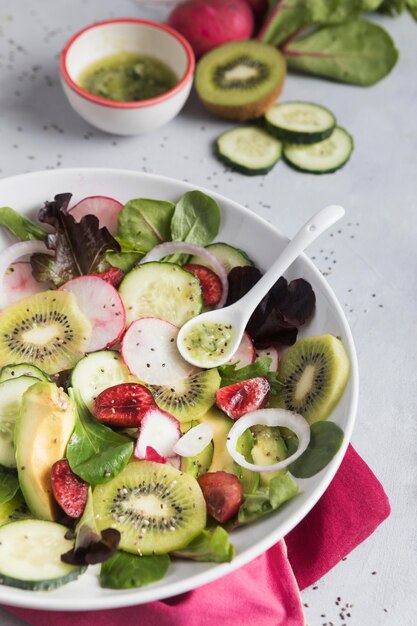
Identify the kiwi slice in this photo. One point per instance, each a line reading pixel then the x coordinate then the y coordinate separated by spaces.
pixel 155 507
pixel 47 330
pixel 314 372
pixel 189 398
pixel 240 80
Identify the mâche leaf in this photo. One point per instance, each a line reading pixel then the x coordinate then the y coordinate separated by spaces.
pixel 20 226
pixel 196 219
pixel 95 452
pixel 80 247
pixel 325 441
pixel 356 52
pixel 126 571
pixel 9 485
pixel 211 545
pixel 145 223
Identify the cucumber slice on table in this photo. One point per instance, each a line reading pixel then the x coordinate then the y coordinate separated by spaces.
pixel 249 150
pixel 300 122
pixel 22 369
pixel 162 290
pixel 228 256
pixel 30 555
pixel 98 371
pixel 323 157
pixel 11 392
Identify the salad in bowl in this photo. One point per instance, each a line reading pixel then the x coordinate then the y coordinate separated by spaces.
pixel 115 452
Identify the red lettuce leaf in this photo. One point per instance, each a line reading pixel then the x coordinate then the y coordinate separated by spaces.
pixel 92 548
pixel 80 247
pixel 280 313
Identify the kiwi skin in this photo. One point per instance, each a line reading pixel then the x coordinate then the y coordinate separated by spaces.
pixel 249 111
pixel 328 355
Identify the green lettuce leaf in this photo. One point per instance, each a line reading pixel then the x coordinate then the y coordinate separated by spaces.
pixel 145 223
pixel 80 247
pixel 281 489
pixel 211 545
pixel 9 485
pixel 325 441
pixel 358 52
pixel 95 452
pixel 20 226
pixel 196 219
pixel 126 571
pixel 229 374
pixel 129 255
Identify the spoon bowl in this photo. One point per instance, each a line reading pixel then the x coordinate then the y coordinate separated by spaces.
pixel 212 338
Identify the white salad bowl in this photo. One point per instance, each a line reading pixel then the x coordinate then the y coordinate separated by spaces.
pixel 242 228
pixel 111 37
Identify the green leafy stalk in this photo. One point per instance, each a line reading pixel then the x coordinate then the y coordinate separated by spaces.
pixel 211 545
pixel 127 571
pixel 9 485
pixel 196 219
pixel 95 452
pixel 358 52
pixel 20 226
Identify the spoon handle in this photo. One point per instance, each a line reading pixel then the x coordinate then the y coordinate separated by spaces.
pixel 312 229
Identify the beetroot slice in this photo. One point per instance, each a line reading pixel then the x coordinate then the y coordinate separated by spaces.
pixel 223 493
pixel 211 285
pixel 68 489
pixel 243 397
pixel 123 405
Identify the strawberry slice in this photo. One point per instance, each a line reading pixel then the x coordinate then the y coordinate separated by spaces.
pixel 69 490
pixel 113 276
pixel 123 405
pixel 211 285
pixel 243 397
pixel 223 494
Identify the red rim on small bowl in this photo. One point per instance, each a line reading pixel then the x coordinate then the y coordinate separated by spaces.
pixel 135 104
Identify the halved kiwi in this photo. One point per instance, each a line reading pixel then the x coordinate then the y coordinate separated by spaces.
pixel 189 398
pixel 314 372
pixel 47 330
pixel 240 80
pixel 155 507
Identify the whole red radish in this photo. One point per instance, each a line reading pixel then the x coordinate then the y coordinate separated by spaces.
pixel 223 493
pixel 210 23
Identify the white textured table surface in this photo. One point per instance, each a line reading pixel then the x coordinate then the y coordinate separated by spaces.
pixel 371 262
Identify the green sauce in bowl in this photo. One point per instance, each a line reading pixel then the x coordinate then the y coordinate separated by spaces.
pixel 128 77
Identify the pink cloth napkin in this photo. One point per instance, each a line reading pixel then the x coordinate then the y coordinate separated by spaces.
pixel 266 591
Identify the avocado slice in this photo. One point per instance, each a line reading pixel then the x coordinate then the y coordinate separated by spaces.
pixel 222 461
pixel 269 448
pixel 43 428
pixel 198 464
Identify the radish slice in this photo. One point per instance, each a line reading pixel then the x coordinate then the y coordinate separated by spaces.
pixel 106 209
pixel 173 247
pixel 271 353
pixel 269 417
pixel 149 349
pixel 152 455
pixel 160 431
pixel 195 440
pixel 245 354
pixel 19 282
pixel 101 303
pixel 12 254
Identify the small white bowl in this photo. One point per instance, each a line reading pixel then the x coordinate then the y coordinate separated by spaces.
pixel 110 37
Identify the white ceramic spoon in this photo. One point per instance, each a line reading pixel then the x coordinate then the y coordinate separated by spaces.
pixel 211 339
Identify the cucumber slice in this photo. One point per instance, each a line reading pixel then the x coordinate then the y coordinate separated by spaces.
pixel 228 256
pixel 11 392
pixel 300 122
pixel 249 150
pixel 30 555
pixel 22 369
pixel 162 290
pixel 98 371
pixel 321 158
